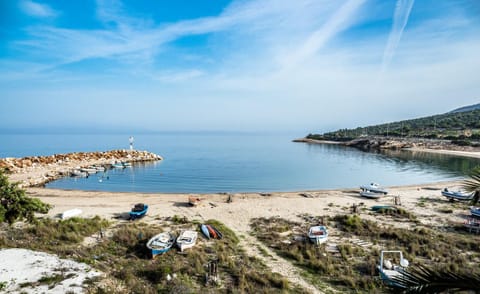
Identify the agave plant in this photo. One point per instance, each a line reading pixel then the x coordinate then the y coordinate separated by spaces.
pixel 427 280
pixel 473 184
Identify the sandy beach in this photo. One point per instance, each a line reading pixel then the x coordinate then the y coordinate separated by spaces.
pixel 238 213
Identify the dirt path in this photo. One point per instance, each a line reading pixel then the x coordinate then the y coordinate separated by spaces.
pixel 276 263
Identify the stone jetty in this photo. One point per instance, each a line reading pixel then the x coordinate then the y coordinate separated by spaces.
pixel 39 170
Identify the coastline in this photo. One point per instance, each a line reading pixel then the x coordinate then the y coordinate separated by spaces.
pixel 237 211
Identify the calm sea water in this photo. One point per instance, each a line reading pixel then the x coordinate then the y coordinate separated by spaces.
pixel 213 162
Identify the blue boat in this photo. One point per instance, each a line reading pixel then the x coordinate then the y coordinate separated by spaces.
pixel 161 243
pixel 475 211
pixel 457 195
pixel 138 211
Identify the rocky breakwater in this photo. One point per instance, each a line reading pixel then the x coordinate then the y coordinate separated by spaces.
pixel 39 170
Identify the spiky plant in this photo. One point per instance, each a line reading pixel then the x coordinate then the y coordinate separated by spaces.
pixel 427 280
pixel 473 184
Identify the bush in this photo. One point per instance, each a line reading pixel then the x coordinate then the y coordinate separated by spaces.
pixel 14 203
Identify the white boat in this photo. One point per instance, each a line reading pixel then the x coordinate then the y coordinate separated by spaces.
pixel 375 188
pixel 78 173
pixel 457 195
pixel 475 211
pixel 89 170
pixel 371 194
pixel 187 239
pixel 99 168
pixel 388 270
pixel 318 234
pixel 71 213
pixel 161 243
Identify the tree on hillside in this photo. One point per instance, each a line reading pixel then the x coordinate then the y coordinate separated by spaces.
pixel 15 204
pixel 473 184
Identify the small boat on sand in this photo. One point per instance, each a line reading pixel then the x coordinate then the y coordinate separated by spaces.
pixel 194 201
pixel 388 269
pixel 371 194
pixel 318 234
pixel 211 232
pixel 375 188
pixel 187 239
pixel 139 210
pixel 383 207
pixel 71 213
pixel 161 243
pixel 457 195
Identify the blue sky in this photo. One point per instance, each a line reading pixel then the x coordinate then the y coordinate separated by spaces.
pixel 268 65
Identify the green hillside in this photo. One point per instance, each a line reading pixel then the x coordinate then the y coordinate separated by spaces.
pixel 461 126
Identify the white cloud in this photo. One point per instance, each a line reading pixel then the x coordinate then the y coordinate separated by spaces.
pixel 400 19
pixel 36 9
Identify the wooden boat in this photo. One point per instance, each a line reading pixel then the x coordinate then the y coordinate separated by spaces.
pixel 187 239
pixel 388 270
pixel 205 231
pixel 375 188
pixel 318 234
pixel 475 211
pixel 71 213
pixel 457 195
pixel 139 210
pixel 371 194
pixel 194 201
pixel 161 243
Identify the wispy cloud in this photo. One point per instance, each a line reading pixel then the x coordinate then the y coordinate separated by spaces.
pixel 36 9
pixel 335 24
pixel 400 19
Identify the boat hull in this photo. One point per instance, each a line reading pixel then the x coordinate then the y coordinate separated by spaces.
pixel 318 234
pixel 161 243
pixel 139 214
pixel 457 195
pixel 371 194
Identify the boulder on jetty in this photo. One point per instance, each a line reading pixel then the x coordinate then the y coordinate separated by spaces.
pixel 39 170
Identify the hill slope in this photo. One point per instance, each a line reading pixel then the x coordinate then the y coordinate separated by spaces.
pixel 466 108
pixel 460 124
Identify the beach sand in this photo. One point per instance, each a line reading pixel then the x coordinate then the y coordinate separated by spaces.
pixel 424 201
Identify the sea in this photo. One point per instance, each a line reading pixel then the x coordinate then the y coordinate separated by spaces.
pixel 223 162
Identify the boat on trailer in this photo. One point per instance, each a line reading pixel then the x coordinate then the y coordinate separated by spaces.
pixel 388 270
pixel 457 195
pixel 161 243
pixel 318 234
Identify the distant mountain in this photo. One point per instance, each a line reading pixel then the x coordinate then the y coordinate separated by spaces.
pixel 460 124
pixel 466 108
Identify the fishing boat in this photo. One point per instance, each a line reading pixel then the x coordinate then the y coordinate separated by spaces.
pixel 388 270
pixel 187 239
pixel 161 243
pixel 78 173
pixel 99 168
pixel 457 195
pixel 89 170
pixel 117 165
pixel 371 194
pixel 318 234
pixel 475 211
pixel 126 164
pixel 139 210
pixel 375 188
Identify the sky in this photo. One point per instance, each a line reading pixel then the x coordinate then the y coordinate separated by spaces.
pixel 251 65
